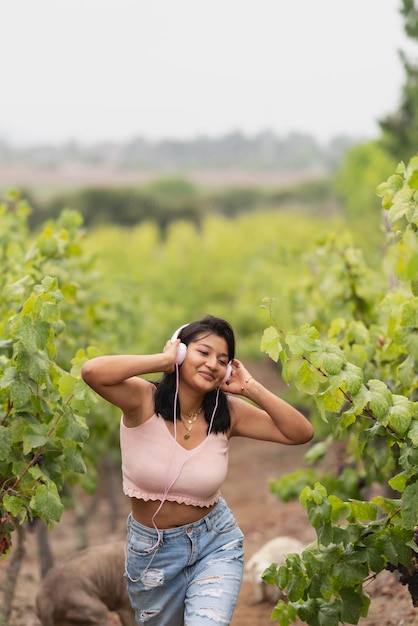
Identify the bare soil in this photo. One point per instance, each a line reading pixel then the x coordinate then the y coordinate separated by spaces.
pixel 261 517
pixel 81 175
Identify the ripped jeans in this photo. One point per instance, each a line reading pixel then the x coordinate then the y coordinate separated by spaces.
pixel 194 575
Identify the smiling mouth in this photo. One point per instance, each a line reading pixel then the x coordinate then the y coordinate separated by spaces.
pixel 207 375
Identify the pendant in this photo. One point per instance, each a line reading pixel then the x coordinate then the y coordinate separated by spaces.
pixel 187 436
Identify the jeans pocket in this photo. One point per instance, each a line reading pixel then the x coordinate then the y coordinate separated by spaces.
pixel 138 560
pixel 139 544
pixel 225 523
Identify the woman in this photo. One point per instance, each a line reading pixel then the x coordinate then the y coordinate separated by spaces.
pixel 184 557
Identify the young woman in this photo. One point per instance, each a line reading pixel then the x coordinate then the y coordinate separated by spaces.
pixel 184 556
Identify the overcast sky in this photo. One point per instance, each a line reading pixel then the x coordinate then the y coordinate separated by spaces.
pixel 94 70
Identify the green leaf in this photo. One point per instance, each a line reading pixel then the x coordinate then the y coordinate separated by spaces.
pixel 72 427
pixel 400 419
pixel 284 613
pixel 400 206
pixel 355 605
pixel 35 437
pixel 304 341
pixel 35 365
pixel 330 400
pixel 21 392
pixel 359 401
pixel 399 482
pixel 73 460
pixel 270 343
pixel 13 504
pixel 317 494
pixel 374 553
pixel 363 510
pixel 33 334
pixel 319 514
pixel 339 508
pixel 270 574
pixel 296 586
pixel 66 384
pixel 413 179
pixel 406 371
pixel 392 542
pixel 353 378
pixel 282 576
pixel 410 504
pixel 332 363
pixel 408 330
pixel 347 419
pixel 5 442
pixel 46 503
pixel 308 611
pixel 8 377
pixel 380 398
pixel 306 379
pixel 328 613
pixel 413 433
pixel 349 573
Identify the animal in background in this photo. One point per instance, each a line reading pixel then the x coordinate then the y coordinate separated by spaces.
pixel 274 551
pixel 84 587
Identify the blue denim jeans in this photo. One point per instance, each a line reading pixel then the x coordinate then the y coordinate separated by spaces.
pixel 194 575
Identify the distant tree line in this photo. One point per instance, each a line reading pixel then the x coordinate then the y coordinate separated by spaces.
pixel 234 150
pixel 168 200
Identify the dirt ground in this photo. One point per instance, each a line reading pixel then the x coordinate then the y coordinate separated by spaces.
pixel 81 175
pixel 261 517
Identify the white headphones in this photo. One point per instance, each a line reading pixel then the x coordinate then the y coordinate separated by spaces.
pixel 182 349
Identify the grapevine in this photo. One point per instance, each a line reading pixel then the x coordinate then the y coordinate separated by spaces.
pixel 361 372
pixel 42 429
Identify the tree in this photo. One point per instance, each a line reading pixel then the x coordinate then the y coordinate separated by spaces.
pixel 363 168
pixel 400 129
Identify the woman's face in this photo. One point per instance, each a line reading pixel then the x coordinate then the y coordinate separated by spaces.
pixel 206 361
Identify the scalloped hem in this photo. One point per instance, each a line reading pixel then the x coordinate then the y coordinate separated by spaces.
pixel 171 498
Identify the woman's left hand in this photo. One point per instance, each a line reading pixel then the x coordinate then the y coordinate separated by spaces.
pixel 240 377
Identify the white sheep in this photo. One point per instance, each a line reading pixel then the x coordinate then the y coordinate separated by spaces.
pixel 274 551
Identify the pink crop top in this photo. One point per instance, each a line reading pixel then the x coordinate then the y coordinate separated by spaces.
pixel 152 459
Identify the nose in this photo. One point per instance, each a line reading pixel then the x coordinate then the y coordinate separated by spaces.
pixel 212 361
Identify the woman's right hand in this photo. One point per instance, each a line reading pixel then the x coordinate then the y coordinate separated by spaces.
pixel 170 351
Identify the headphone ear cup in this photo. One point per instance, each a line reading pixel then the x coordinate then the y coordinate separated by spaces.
pixel 228 373
pixel 182 348
pixel 181 353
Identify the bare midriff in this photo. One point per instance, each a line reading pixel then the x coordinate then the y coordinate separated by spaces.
pixel 171 514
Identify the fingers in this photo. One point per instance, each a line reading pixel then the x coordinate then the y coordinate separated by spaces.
pixel 171 345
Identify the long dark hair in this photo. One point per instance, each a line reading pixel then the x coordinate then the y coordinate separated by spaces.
pixel 166 388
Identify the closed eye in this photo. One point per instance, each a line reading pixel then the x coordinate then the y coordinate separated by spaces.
pixel 222 362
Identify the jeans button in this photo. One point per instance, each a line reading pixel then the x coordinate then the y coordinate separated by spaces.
pixel 189 530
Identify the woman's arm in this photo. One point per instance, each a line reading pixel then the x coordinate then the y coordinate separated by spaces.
pixel 116 378
pixel 267 417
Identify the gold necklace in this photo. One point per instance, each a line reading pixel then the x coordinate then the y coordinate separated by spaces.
pixel 190 419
